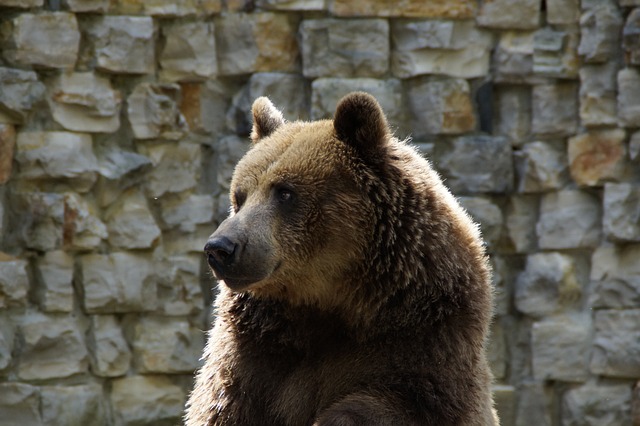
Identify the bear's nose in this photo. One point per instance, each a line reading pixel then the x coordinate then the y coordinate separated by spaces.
pixel 220 252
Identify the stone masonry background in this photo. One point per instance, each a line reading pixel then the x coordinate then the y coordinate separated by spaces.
pixel 121 120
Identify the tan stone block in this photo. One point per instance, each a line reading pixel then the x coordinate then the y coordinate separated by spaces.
pixel 7 146
pixel 510 14
pixel 597 156
pixel 448 9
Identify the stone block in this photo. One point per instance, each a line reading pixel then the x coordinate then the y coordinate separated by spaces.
pixel 63 156
pixel 454 48
pixel 599 33
pixel 497 351
pixel 122 44
pixel 513 56
pixel 21 91
pixel 597 404
pixel 53 274
pixel 453 9
pixel 521 217
pixel 201 101
pixel 472 164
pixel 569 219
pixel 19 404
pixel 117 282
pixel 551 283
pixel 563 12
pixel 634 145
pixel 47 39
pixel 176 167
pixel 154 111
pixel 616 343
pixel 84 102
pixel 53 348
pixel 555 53
pixel 130 222
pixel 166 345
pixel 289 92
pixel 559 346
pixel 504 397
pixel 146 400
pixel 7 148
pixel 186 211
pixel 554 109
pixel 441 106
pixel 257 42
pixel 615 274
pixel 82 229
pixel 541 167
pixel 189 52
pixel 534 407
pixel 84 6
pixel 36 220
pixel 597 156
pixel 631 36
pixel 489 215
pixel 635 404
pixel 119 170
pixel 7 343
pixel 512 114
pixel 306 5
pixel 179 289
pixel 109 353
pixel 621 207
pixel 510 14
pixel 231 150
pixel 14 282
pixel 22 4
pixel 344 48
pixel 598 103
pixel 629 97
pixel 72 405
pixel 167 8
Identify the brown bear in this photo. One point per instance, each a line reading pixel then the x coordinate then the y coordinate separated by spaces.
pixel 354 290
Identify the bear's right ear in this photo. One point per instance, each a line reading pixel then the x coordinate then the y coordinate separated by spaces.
pixel 266 118
pixel 360 122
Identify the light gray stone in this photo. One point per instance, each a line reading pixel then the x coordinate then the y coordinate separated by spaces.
pixel 510 14
pixel 472 164
pixel 616 344
pixel 82 229
pixel 108 349
pixel 598 104
pixel 64 156
pixel 497 351
pixel 168 8
pixel 189 52
pixel 631 36
pixel 621 207
pixel 454 48
pixel 597 404
pixel 123 44
pixel 569 219
pixel 84 102
pixel 534 407
pixel 53 348
pixel 559 346
pixel 634 145
pixel 7 342
pixel 14 282
pixel 598 156
pixel 117 282
pixel 629 97
pixel 521 216
pixel 551 283
pixel 146 400
pixel 231 150
pixel 7 148
pixel 46 39
pixel 187 211
pixel 19 404
pixel 179 289
pixel 166 345
pixel 563 12
pixel 37 220
pixel 599 33
pixel 513 57
pixel 21 91
pixel 176 167
pixel 154 111
pixel 293 4
pixel 541 167
pixel 556 53
pixel 488 214
pixel 54 281
pixel 512 114
pixel 202 101
pixel 615 273
pixel 554 109
pixel 130 222
pixel 119 170
pixel 81 6
pixel 72 405
pixel 344 48
pixel 441 106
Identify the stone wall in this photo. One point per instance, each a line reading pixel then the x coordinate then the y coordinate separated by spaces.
pixel 121 120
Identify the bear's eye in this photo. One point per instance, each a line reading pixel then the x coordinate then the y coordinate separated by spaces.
pixel 284 194
pixel 240 197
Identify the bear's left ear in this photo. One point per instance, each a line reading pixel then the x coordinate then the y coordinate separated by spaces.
pixel 360 122
pixel 266 118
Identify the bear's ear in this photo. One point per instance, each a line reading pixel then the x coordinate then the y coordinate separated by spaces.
pixel 266 118
pixel 360 122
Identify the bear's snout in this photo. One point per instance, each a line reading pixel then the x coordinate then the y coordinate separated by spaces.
pixel 220 253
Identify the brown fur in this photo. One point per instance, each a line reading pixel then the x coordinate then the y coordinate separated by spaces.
pixel 357 289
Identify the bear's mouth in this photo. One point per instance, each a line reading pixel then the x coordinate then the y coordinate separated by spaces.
pixel 241 283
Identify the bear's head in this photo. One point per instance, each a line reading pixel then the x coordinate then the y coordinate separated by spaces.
pixel 302 213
